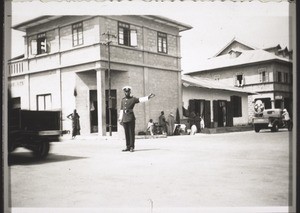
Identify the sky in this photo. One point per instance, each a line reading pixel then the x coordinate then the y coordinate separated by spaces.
pixel 214 24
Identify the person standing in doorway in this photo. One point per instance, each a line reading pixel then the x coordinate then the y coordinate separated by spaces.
pixel 75 123
pixel 170 124
pixel 162 122
pixel 197 122
pixel 127 118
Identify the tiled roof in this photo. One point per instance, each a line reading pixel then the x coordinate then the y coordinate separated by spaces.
pixel 246 57
pixel 193 81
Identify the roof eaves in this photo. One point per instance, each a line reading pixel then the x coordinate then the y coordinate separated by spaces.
pixel 180 25
pixel 273 47
pixel 241 65
pixel 192 81
pixel 32 22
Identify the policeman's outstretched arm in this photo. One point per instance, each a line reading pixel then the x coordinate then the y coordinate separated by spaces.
pixel 151 95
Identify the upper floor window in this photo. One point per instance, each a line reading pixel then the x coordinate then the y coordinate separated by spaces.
pixel 39 45
pixel 217 77
pixel 239 80
pixel 127 36
pixel 279 77
pixel 286 78
pixel 162 44
pixel 77 34
pixel 44 102
pixel 263 75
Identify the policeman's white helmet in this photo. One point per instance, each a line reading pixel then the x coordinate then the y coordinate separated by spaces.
pixel 126 88
pixel 284 110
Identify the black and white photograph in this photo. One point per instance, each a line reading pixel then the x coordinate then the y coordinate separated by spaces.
pixel 150 106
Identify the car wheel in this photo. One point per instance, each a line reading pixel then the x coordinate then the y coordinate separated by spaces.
pixel 275 128
pixel 256 129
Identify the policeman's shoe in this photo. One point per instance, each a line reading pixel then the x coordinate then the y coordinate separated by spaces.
pixel 131 150
pixel 125 150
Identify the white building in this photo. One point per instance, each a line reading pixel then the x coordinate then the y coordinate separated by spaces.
pixel 217 103
pixel 266 72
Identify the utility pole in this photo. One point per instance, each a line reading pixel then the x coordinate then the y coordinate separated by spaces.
pixel 108 42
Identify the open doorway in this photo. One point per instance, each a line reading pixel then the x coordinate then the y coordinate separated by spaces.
pixel 93 111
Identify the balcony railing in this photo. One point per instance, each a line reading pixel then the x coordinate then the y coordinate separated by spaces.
pixel 16 68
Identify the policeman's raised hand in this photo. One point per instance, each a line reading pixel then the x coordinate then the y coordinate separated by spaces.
pixel 151 95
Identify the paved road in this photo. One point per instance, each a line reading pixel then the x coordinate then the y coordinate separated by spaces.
pixel 244 169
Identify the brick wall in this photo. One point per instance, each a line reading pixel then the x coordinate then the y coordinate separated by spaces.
pixel 140 67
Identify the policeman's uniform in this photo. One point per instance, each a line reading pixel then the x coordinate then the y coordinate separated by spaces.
pixel 128 119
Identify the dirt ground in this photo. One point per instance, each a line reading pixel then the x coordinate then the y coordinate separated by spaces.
pixel 233 171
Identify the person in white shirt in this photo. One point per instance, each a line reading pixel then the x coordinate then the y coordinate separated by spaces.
pixel 286 117
pixel 150 127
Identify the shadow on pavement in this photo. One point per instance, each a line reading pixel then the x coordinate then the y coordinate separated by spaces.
pixel 143 150
pixel 26 158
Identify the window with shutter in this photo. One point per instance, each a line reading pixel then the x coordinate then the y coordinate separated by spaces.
pixel 267 77
pixel 77 34
pixel 279 77
pixel 127 36
pixel 234 80
pixel 162 44
pixel 41 43
pixel 263 75
pixel 240 80
pixel 33 46
pixel 133 38
pixel 44 102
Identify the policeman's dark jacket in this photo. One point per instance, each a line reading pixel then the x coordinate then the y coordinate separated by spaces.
pixel 127 105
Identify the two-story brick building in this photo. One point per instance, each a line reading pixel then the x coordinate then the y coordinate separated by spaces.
pixel 266 72
pixel 66 61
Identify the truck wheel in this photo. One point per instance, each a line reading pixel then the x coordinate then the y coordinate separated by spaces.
pixel 41 150
pixel 256 129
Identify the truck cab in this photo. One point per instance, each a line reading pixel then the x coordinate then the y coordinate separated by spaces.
pixel 34 130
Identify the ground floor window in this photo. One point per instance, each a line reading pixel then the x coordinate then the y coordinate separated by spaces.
pixel 44 102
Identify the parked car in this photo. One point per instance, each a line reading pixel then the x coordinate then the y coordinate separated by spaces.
pixel 271 119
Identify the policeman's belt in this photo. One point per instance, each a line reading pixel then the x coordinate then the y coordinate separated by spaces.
pixel 126 111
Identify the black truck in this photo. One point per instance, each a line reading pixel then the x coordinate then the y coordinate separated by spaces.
pixel 34 130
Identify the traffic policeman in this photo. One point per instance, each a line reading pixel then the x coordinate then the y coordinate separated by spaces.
pixel 127 118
